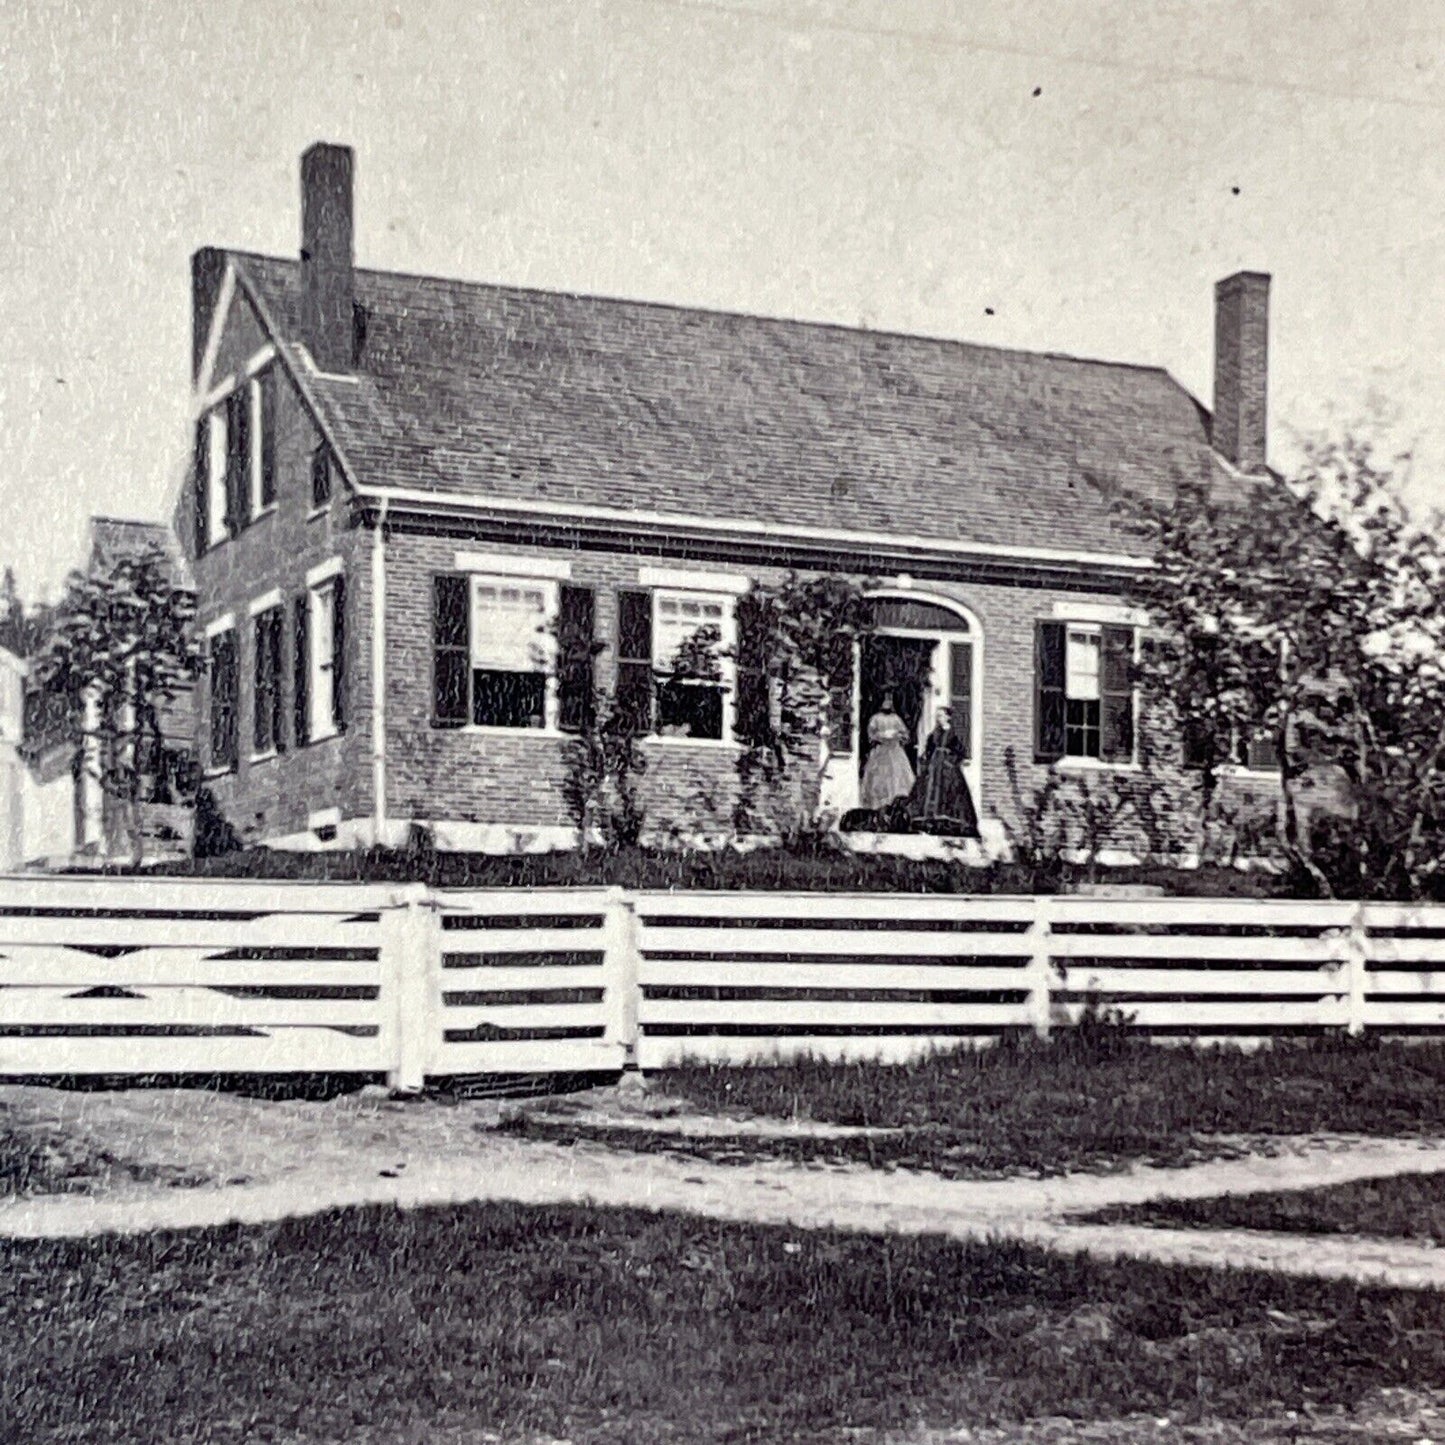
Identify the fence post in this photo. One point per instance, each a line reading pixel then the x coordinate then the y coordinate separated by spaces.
pixel 1357 961
pixel 1041 969
pixel 621 962
pixel 408 950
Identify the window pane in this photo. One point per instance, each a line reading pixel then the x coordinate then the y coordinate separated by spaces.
pixel 508 699
pixel 509 627
pixel 216 470
pixel 323 644
pixel 1083 666
pixel 689 710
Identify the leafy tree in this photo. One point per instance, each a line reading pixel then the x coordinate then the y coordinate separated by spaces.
pixel 1310 612
pixel 795 659
pixel 119 648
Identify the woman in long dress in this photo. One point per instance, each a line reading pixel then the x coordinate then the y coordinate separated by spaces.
pixel 941 803
pixel 887 775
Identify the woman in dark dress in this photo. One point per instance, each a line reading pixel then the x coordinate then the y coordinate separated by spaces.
pixel 940 802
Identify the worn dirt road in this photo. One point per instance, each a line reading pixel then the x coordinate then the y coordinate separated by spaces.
pixel 264 1160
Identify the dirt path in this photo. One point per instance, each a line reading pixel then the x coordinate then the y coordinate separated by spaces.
pixel 266 1161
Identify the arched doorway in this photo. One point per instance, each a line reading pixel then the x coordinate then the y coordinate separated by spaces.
pixel 927 651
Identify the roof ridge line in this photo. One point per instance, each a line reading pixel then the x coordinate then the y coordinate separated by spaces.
pixel 719 311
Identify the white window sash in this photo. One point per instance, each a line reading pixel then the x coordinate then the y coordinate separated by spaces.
pixel 532 646
pixel 1083 679
pixel 216 476
pixel 321 645
pixel 254 400
pixel 671 630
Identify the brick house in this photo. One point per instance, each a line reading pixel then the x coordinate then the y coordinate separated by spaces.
pixel 401 482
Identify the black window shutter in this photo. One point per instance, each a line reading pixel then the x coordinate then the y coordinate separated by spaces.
pixel 300 672
pixel 752 717
pixel 576 623
pixel 225 731
pixel 266 419
pixel 451 651
pixel 960 693
pixel 277 619
pixel 201 485
pixel 338 653
pixel 238 453
pixel 634 660
pixel 261 685
pixel 1116 693
pixel 1049 643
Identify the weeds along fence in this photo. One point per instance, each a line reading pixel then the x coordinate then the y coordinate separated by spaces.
pixel 124 976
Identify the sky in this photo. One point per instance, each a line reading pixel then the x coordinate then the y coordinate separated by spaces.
pixel 1065 177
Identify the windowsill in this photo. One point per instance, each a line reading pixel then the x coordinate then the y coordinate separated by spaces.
pixel 264 757
pixel 323 737
pixel 488 730
pixel 226 772
pixel 265 512
pixel 320 511
pixel 1095 765
pixel 664 740
pixel 1243 770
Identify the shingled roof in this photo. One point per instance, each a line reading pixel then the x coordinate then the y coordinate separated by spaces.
pixel 467 390
pixel 114 538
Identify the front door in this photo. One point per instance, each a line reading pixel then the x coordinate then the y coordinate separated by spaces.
pixel 900 667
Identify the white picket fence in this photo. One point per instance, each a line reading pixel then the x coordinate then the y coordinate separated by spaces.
pixel 182 976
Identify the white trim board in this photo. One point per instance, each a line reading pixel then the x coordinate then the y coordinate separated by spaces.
pixel 507 564
pixel 684 580
pixel 324 572
pixel 726 528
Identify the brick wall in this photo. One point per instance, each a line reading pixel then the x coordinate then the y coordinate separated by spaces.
pixel 273 797
pixel 516 778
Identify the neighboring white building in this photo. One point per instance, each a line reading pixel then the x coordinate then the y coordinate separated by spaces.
pixel 39 811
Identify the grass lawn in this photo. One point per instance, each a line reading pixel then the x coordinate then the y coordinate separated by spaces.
pixel 1406 1206
pixel 1035 1107
pixel 376 1325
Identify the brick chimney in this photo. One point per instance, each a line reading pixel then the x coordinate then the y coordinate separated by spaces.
pixel 328 292
pixel 1241 368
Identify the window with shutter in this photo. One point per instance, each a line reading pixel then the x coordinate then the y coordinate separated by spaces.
pixel 634 660
pixel 1049 695
pixel 498 643
pixel 1084 692
pixel 576 625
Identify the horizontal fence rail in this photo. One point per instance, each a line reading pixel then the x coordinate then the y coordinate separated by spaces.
pixel 111 976
pixel 134 976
